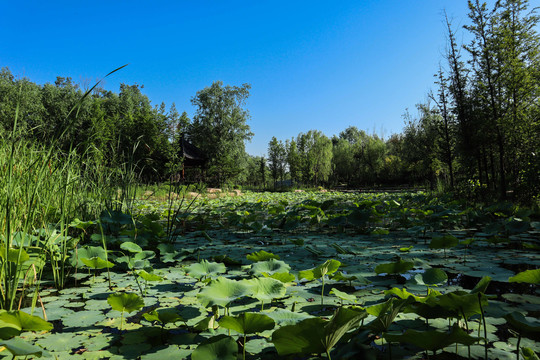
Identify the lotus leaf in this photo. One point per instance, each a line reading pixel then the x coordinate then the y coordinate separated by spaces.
pixel 432 276
pixel 433 340
pixel 82 318
pixel 97 263
pixel 326 268
pixel 517 226
pixel 247 323
pixel 287 317
pixel 164 316
pixel 128 302
pixel 529 354
pixel 8 330
pixel 149 276
pixel 284 277
pixel 222 291
pixel 13 255
pixel 399 267
pixel 524 326
pixel 343 295
pixel 344 320
pixel 19 347
pixel 527 276
pixel 301 338
pixel 270 267
pixel 131 247
pixel 316 335
pixel 220 347
pixel 205 268
pixel 386 313
pixel 261 256
pixel 463 304
pixel 266 289
pixel 23 321
pixel 443 242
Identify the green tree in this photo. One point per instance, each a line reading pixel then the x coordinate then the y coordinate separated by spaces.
pixel 276 159
pixel 316 156
pixel 219 128
pixel 294 161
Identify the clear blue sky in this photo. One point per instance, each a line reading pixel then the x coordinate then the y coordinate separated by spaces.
pixel 314 64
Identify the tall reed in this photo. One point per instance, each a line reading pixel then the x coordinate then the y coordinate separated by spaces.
pixel 41 190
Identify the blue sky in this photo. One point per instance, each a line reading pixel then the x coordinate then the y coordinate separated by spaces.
pixel 322 65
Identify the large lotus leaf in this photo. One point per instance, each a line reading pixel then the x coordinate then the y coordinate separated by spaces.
pixel 443 242
pixel 529 354
pixel 428 311
pixel 326 268
pixel 82 318
pixel 301 338
pixel 517 226
pixel 128 302
pixel 343 295
pixel 164 316
pixel 261 256
pixel 340 276
pixel 431 276
pixel 97 263
pixel 481 286
pixel 144 255
pixel 284 277
pixel 131 247
pixel 527 276
pixel 266 289
pixel 247 323
pixel 270 267
pixel 24 321
pixel 433 340
pixel 92 251
pixel 399 267
pixel 524 326
pixel 19 347
pixel 404 294
pixel 8 330
pixel 220 347
pixel 205 268
pixel 386 313
pixel 286 317
pixel 462 304
pixel 87 253
pixel 222 291
pixel 344 320
pixel 13 255
pixel 149 276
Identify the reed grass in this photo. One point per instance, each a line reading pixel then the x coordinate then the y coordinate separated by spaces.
pixel 42 190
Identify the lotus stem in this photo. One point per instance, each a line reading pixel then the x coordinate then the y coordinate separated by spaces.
pixel 328 354
pixel 518 342
pixel 466 327
pixel 322 291
pixel 244 348
pixel 485 327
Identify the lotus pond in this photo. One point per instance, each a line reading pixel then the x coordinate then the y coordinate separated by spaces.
pixel 291 275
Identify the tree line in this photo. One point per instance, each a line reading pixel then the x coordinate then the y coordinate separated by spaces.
pixel 478 131
pixel 479 128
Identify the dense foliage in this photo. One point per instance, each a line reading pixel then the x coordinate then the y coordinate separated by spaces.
pixel 478 133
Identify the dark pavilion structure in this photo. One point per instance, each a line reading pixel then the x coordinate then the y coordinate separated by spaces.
pixel 192 156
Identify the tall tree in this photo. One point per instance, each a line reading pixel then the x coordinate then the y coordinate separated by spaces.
pixel 219 127
pixel 447 125
pixel 276 159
